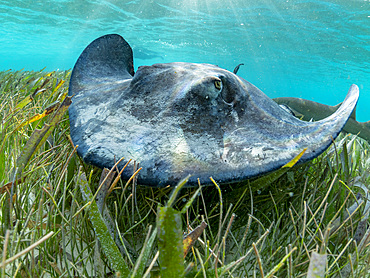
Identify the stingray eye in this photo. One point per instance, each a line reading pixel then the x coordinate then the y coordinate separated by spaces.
pixel 218 84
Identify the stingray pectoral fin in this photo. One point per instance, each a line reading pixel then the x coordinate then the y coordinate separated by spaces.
pixel 327 129
pixel 317 136
pixel 349 104
pixel 272 140
pixel 307 109
pixel 107 59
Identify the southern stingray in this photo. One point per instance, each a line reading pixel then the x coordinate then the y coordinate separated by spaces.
pixel 177 119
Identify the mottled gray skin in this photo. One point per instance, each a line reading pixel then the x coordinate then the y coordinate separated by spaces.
pixel 182 118
pixel 308 110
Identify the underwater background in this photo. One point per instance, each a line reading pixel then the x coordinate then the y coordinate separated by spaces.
pixel 309 49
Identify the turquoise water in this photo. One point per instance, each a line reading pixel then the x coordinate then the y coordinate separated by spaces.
pixel 309 49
